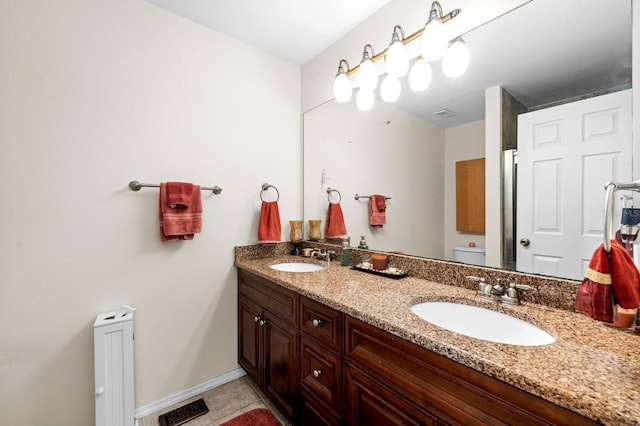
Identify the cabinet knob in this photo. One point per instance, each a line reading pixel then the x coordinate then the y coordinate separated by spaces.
pixel 256 319
pixel 263 322
pixel 99 391
pixel 316 322
pixel 317 373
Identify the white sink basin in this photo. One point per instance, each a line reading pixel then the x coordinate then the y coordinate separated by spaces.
pixel 482 324
pixel 297 267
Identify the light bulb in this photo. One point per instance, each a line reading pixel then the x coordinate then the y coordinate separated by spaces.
pixel 390 89
pixel 456 61
pixel 420 75
pixel 342 88
pixel 367 75
pixel 396 60
pixel 434 41
pixel 365 99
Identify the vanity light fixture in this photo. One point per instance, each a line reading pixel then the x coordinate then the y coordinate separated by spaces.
pixel 420 75
pixel 456 60
pixel 390 89
pixel 342 89
pixel 367 74
pixel 434 45
pixel 396 60
pixel 435 40
pixel 365 99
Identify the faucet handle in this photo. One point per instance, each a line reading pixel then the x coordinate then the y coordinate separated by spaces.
pixel 512 295
pixel 482 283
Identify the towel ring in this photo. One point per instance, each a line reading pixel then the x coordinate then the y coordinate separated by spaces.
pixel 266 186
pixel 329 191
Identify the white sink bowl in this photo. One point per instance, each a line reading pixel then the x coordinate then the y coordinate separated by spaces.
pixel 297 267
pixel 482 323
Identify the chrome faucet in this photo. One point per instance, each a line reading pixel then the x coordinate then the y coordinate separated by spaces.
pixel 323 255
pixel 496 292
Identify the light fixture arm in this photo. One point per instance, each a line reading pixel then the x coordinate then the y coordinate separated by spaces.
pixel 365 53
pixel 341 68
pixel 398 31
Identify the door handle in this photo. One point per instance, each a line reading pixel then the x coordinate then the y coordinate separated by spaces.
pixel 524 242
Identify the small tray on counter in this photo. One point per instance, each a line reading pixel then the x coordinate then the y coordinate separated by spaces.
pixel 396 276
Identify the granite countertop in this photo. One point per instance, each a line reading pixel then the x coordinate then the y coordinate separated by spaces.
pixel 591 369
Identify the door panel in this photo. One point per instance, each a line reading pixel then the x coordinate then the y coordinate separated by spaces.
pixel 566 154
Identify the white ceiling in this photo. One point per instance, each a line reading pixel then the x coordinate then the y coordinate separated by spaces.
pixel 295 30
pixel 542 52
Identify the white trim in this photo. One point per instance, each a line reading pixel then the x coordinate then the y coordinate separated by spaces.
pixel 188 393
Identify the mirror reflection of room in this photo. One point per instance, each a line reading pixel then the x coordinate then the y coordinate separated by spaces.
pixel 405 150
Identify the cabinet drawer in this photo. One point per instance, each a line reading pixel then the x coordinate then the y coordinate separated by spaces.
pixel 321 373
pixel 453 392
pixel 272 297
pixel 321 322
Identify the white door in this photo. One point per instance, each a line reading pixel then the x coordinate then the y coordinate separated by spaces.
pixel 566 154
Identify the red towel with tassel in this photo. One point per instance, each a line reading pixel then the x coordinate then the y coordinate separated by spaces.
pixel 611 278
pixel 334 226
pixel 269 229
pixel 377 207
pixel 181 217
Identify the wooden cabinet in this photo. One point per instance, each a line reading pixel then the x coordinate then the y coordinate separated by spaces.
pixel 470 196
pixel 322 367
pixel 320 363
pixel 428 387
pixel 268 338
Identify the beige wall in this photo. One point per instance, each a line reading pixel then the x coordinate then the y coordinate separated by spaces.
pixel 383 151
pixel 94 94
pixel 464 142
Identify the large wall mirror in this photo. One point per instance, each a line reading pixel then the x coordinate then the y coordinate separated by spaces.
pixel 543 53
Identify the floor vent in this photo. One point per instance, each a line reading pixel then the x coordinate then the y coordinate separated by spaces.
pixel 184 414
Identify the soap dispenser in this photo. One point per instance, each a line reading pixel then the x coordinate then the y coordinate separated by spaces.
pixel 363 243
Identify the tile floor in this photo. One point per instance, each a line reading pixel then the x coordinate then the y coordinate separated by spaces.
pixel 224 403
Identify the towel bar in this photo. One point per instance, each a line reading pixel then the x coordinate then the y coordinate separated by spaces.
pixel 357 197
pixel 611 188
pixel 134 185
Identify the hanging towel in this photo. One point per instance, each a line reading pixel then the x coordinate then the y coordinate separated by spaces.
pixel 334 226
pixel 181 219
pixel 179 194
pixel 625 277
pixel 611 278
pixel 269 229
pixel 377 207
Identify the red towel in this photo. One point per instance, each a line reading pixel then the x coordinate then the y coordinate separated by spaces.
pixel 334 226
pixel 269 230
pixel 625 277
pixel 179 194
pixel 377 207
pixel 180 222
pixel 611 278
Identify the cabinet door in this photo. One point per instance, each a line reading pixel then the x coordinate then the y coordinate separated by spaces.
pixel 368 402
pixel 249 348
pixel 280 372
pixel 314 414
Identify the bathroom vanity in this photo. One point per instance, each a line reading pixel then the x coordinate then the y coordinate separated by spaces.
pixel 338 346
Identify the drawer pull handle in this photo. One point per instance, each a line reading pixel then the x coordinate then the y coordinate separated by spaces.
pixel 316 322
pixel 263 322
pixel 317 373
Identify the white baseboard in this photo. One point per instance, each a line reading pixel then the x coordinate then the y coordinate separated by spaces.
pixel 188 393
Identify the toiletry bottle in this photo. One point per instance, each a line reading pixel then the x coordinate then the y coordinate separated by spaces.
pixel 363 243
pixel 346 253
